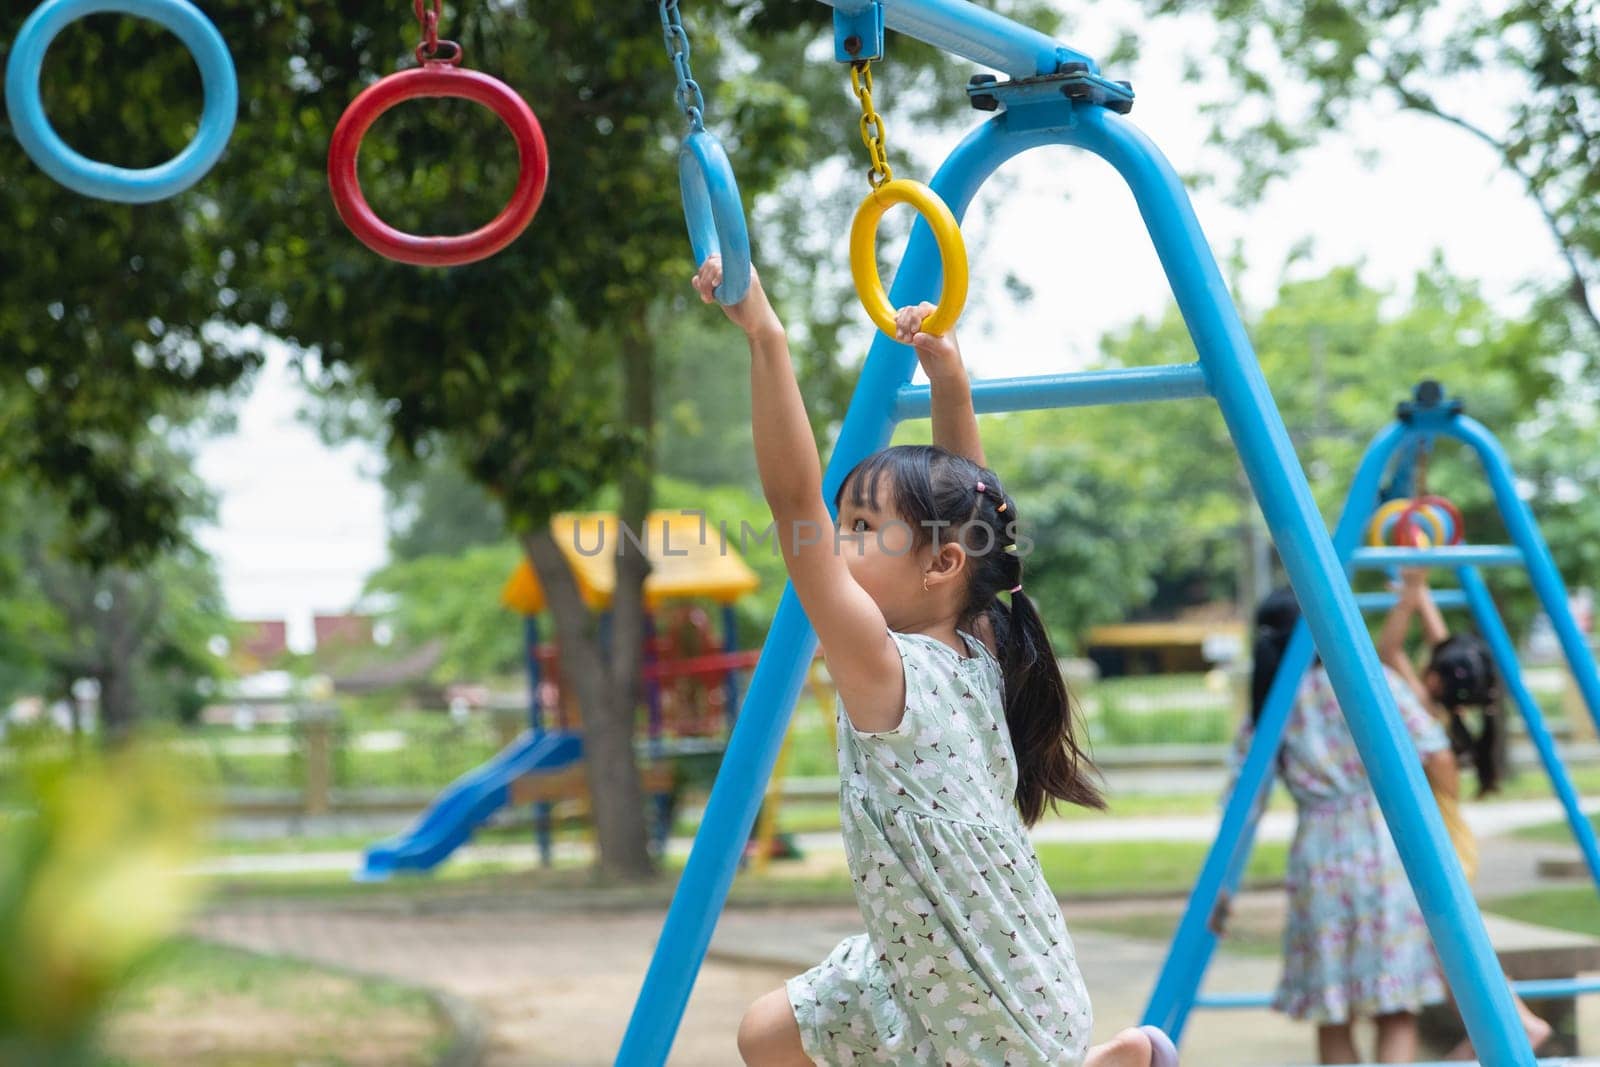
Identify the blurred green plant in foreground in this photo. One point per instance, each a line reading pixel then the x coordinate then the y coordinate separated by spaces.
pixel 92 851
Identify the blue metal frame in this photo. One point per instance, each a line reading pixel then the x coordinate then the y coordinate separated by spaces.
pixel 1233 377
pixel 1193 944
pixel 102 180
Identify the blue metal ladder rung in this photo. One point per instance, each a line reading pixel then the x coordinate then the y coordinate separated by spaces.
pixel 1529 989
pixel 1442 598
pixel 1555 1061
pixel 1121 385
pixel 1448 556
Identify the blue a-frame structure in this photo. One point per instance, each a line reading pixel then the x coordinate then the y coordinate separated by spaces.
pixel 1430 415
pixel 1056 95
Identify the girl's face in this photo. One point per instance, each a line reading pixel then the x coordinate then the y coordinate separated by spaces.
pixel 884 557
pixel 1434 683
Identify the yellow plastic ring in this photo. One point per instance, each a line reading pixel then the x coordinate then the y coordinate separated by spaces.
pixel 864 254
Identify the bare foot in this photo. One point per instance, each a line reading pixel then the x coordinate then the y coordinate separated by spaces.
pixel 1537 1029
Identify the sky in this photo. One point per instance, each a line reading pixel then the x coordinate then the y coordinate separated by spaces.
pixel 301 525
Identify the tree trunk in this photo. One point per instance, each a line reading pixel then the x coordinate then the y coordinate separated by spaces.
pixel 118 640
pixel 633 566
pixel 613 776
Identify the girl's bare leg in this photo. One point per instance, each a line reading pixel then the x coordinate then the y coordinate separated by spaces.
pixel 1397 1038
pixel 1336 1043
pixel 768 1034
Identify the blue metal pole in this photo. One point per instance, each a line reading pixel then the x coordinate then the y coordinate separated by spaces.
pixel 1317 576
pixel 1122 385
pixel 1194 943
pixel 1493 629
pixel 1542 571
pixel 980 35
pixel 758 732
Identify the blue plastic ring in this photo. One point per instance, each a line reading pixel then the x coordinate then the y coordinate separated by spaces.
pixel 84 175
pixel 714 212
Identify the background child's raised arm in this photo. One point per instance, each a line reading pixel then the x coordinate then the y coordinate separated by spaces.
pixel 863 659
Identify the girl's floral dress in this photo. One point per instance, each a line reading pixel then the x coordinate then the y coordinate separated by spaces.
pixel 1356 944
pixel 966 958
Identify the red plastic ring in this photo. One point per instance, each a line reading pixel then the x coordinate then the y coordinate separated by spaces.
pixel 429 81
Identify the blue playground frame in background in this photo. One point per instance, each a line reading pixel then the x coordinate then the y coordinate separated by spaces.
pixel 1056 96
pixel 1420 422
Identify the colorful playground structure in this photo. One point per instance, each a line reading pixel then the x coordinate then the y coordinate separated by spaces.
pixel 1410 530
pixel 690 683
pixel 1051 94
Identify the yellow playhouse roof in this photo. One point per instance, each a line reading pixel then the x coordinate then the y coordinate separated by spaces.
pixel 687 559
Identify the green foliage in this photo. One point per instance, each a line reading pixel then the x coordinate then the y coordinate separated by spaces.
pixel 91 883
pixel 1522 78
pixel 455 600
pixel 103 306
pixel 1145 504
pixel 433 510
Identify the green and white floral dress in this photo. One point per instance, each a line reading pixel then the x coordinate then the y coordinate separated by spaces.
pixel 966 958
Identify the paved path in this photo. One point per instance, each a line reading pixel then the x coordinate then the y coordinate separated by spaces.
pixel 1487 820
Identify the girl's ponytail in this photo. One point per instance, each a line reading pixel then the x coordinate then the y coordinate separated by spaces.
pixel 1039 714
pixel 1465 669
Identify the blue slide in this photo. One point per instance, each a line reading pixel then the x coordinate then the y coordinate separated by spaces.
pixel 467 802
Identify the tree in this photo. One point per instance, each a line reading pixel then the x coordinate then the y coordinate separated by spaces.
pixel 1337 362
pixel 536 368
pixel 103 306
pixel 143 635
pixel 455 600
pixel 1523 78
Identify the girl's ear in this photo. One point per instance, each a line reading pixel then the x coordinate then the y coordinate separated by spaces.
pixel 946 563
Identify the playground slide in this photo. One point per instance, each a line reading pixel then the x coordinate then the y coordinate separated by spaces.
pixel 450 820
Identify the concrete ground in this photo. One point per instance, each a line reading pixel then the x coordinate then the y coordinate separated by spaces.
pixel 556 986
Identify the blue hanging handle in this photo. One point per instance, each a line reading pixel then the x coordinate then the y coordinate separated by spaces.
pixel 102 180
pixel 711 204
pixel 714 212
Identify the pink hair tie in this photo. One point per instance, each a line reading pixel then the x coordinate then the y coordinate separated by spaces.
pixel 1017 588
pixel 981 487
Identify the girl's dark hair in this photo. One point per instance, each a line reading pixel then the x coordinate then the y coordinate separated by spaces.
pixel 1276 618
pixel 936 493
pixel 1467 678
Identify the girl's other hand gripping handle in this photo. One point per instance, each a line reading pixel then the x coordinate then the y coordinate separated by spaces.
pixel 753 314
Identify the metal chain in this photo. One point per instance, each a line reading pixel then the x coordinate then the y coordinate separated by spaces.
pixel 872 131
pixel 428 49
pixel 689 96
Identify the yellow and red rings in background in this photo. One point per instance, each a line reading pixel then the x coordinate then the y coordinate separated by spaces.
pixel 1400 517
pixel 952 253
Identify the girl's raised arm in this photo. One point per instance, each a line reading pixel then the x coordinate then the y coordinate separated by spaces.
pixel 955 424
pixel 862 658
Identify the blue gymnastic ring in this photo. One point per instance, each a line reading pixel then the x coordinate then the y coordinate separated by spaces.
pixel 84 175
pixel 714 212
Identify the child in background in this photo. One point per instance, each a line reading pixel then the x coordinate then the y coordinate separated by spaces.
pixel 949 747
pixel 1356 945
pixel 1459 673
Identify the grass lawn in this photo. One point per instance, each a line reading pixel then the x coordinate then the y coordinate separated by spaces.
pixel 1576 908
pixel 1552 831
pixel 205 1003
